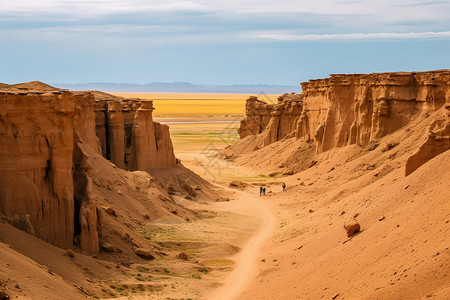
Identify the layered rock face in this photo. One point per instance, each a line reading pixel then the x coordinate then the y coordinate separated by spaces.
pixel 274 121
pixel 257 116
pixel 45 182
pixel 355 109
pixel 129 137
pixel 36 134
pixel 437 141
pixel 348 109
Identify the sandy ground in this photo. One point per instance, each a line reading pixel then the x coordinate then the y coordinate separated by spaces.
pixel 285 245
pixel 246 259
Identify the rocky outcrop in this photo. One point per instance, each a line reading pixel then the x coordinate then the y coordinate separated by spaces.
pixel 257 116
pixel 273 121
pixel 437 141
pixel 283 120
pixel 128 136
pixel 347 109
pixel 45 175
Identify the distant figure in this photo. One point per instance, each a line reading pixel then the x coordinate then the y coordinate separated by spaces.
pixel 264 191
pixel 284 186
pixel 260 190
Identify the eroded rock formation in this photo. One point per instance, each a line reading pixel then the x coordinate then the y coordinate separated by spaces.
pixel 348 109
pixel 354 109
pixel 36 134
pixel 129 137
pixel 274 121
pixel 45 181
pixel 437 142
pixel 257 116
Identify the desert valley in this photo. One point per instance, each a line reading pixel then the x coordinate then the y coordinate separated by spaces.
pixel 158 196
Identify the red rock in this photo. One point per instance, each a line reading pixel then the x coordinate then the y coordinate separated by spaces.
pixel 351 227
pixel 70 253
pixel 144 253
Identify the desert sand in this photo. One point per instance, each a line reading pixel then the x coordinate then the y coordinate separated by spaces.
pixel 219 239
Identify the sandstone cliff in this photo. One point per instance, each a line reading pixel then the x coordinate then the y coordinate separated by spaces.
pixel 45 175
pixel 353 109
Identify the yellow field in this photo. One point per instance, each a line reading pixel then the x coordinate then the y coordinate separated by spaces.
pixel 200 125
pixel 198 105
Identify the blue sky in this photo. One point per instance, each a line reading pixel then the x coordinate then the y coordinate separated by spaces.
pixel 218 42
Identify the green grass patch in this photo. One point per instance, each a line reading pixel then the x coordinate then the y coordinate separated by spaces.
pixel 219 262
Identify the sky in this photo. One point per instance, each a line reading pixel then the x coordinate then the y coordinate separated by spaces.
pixel 280 42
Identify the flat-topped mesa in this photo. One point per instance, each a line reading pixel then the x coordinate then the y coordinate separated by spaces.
pixel 45 181
pixel 357 108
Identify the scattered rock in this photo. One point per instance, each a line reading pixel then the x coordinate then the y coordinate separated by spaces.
pixel 313 163
pixel 351 227
pixel 237 184
pixel 146 216
pixel 389 146
pixel 69 253
pixel 144 253
pixel 381 218
pixel 107 247
pixel 288 173
pixel 182 255
pixel 110 211
pixel 189 189
pixel 335 296
pixel 188 197
pixel 372 145
pixel 171 190
pixel 311 211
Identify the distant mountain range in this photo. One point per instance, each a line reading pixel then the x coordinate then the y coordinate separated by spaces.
pixel 181 87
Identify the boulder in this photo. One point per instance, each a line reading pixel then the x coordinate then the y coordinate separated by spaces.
pixel 70 253
pixel 110 211
pixel 351 227
pixel 144 253
pixel 107 247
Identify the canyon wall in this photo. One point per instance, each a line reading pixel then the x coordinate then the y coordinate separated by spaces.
pixel 356 109
pixel 45 182
pixel 274 121
pixel 353 109
pixel 36 186
pixel 129 138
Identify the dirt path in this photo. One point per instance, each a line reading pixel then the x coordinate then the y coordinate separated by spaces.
pixel 246 259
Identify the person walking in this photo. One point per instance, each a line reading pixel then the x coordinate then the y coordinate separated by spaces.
pixel 284 186
pixel 264 191
pixel 260 190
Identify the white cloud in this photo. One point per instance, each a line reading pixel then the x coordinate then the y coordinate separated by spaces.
pixel 286 36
